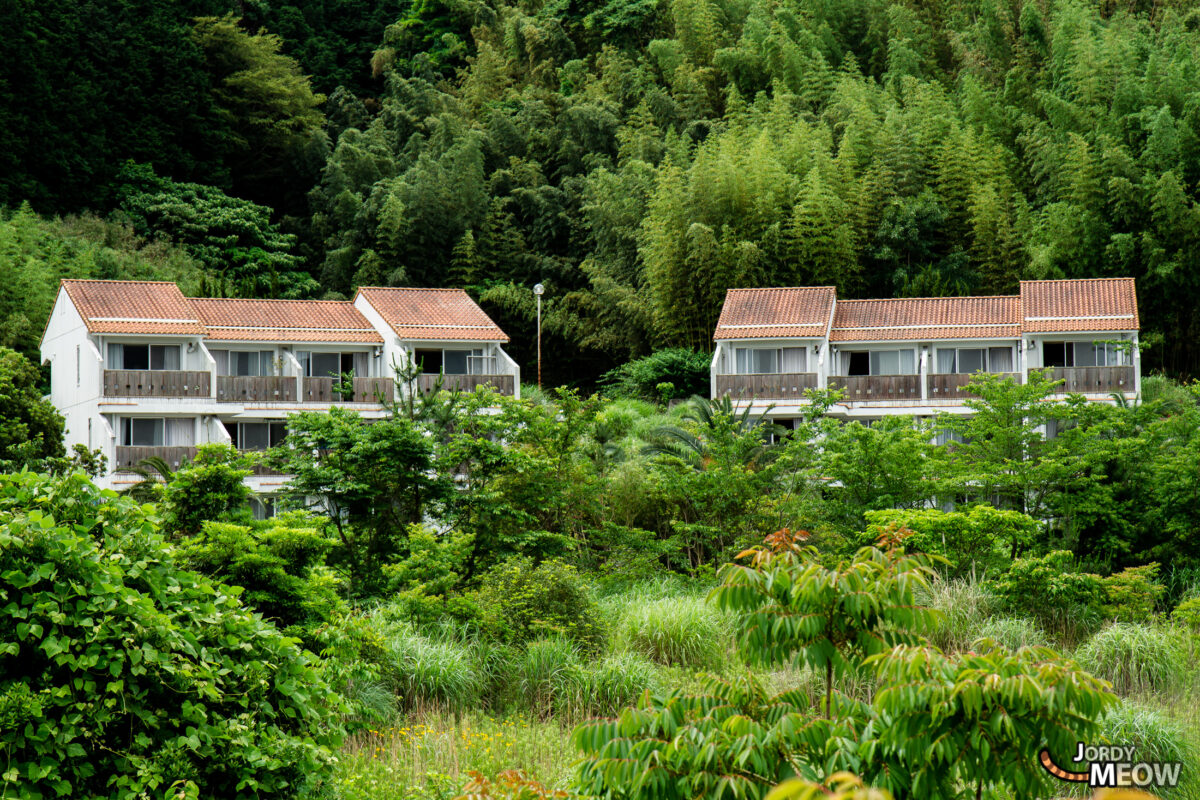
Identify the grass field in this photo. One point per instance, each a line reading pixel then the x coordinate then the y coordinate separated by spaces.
pixel 516 710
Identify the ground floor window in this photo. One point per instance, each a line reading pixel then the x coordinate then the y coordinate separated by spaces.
pixel 256 435
pixel 1084 354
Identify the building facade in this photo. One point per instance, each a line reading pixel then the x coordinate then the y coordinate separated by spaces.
pixel 916 355
pixel 140 370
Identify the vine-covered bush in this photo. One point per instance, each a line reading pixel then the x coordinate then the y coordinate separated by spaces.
pixel 519 602
pixel 1051 585
pixel 122 675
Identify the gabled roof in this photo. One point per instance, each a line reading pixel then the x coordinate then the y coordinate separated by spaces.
pixel 284 321
pixel 441 314
pixel 146 307
pixel 775 313
pixel 1102 304
pixel 927 318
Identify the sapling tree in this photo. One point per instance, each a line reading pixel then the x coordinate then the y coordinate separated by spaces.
pixel 794 608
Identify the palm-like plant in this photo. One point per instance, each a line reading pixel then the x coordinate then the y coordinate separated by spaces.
pixel 153 471
pixel 713 418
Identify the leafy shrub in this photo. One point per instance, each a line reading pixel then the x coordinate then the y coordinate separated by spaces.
pixel 276 563
pixel 121 673
pixel 424 581
pixel 675 631
pixel 210 488
pixel 1131 594
pixel 1188 613
pixel 1051 588
pixel 1136 659
pixel 977 541
pixel 519 602
pixel 687 372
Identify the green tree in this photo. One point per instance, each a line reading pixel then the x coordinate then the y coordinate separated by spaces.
pixel 208 489
pixel 372 479
pixel 31 428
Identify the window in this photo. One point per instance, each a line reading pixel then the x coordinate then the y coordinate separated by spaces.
pixel 945 437
pixel 143 356
pixel 251 363
pixel 332 365
pixel 974 359
pixel 892 362
pixel 158 432
pixel 455 362
pixel 1084 354
pixel 256 435
pixel 879 362
pixel 770 360
pixel 262 507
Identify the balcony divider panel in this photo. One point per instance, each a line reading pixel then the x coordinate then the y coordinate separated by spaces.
pixel 156 383
pixel 877 387
pixel 770 386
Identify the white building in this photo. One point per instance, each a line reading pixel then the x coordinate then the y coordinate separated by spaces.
pixel 916 355
pixel 139 370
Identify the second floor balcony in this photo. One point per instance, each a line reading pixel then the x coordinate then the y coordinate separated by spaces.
pixel 767 386
pixel 502 384
pixel 156 383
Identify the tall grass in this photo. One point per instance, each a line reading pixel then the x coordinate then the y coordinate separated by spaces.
pixel 1136 659
pixel 1013 632
pixel 1155 735
pixel 675 631
pixel 554 681
pixel 545 672
pixel 432 674
pixel 429 756
pixel 963 607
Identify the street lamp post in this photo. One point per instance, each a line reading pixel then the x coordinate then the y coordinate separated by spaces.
pixel 537 291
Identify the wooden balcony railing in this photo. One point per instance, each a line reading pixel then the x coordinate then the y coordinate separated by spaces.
pixel 504 384
pixel 156 383
pixel 952 386
pixel 268 388
pixel 779 386
pixel 366 390
pixel 372 390
pixel 130 457
pixel 877 387
pixel 1093 380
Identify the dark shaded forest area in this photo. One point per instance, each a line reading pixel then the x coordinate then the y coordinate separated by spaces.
pixel 636 157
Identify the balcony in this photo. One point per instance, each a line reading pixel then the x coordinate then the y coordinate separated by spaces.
pixel 503 384
pixel 128 458
pixel 1092 380
pixel 766 386
pixel 156 383
pixel 859 388
pixel 366 390
pixel 953 386
pixel 268 388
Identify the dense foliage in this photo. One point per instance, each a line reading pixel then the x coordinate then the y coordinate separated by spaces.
pixel 636 158
pixel 122 673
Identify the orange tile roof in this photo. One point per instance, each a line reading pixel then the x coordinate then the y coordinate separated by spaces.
pixel 926 318
pixel 775 313
pixel 284 321
pixel 146 307
pixel 1101 304
pixel 446 314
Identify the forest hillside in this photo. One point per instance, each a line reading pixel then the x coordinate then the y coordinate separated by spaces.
pixel 636 157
